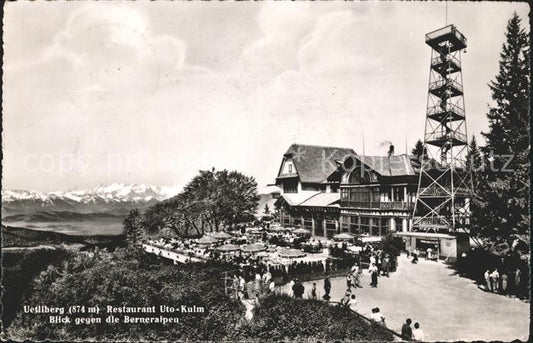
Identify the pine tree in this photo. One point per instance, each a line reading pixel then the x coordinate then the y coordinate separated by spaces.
pixel 503 189
pixel 133 228
pixel 419 150
pixel 474 162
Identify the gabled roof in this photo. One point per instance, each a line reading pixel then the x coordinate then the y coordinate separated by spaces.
pixel 396 165
pixel 311 199
pixel 322 200
pixel 294 199
pixel 315 163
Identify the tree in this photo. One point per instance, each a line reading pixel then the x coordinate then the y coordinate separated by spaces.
pixel 419 150
pixel 503 190
pixel 474 162
pixel 133 228
pixel 267 209
pixel 210 200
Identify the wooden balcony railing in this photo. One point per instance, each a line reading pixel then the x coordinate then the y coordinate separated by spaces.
pixel 386 205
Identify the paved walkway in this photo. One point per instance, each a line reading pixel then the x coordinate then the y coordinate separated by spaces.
pixel 448 307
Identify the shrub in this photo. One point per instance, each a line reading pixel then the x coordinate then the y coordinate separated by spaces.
pixel 281 317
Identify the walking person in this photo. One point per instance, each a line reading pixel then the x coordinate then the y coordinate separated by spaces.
pixel 349 281
pixel 407 331
pixel 418 333
pixel 356 273
pixel 327 288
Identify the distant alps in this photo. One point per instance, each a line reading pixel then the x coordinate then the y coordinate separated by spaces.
pixel 117 198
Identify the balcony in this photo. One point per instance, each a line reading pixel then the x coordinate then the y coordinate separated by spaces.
pixel 446 64
pixel 447 39
pixel 445 88
pixel 450 138
pixel 383 205
pixel 449 111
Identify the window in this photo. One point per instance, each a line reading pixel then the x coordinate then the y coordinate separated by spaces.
pixel 308 223
pixel 297 221
pixel 290 168
pixel 290 186
pixel 365 227
pixel 345 223
pixel 354 224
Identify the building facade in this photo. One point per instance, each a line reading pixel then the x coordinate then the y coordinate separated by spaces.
pixel 309 178
pixel 330 190
pixel 378 194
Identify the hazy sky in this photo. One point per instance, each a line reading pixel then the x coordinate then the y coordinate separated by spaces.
pixel 151 92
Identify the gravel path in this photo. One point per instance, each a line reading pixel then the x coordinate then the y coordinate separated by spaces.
pixel 447 306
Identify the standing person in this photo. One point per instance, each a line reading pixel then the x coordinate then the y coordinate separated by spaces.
pixel 242 287
pixel 257 285
pixel 418 334
pixel 386 262
pixel 356 273
pixel 327 288
pixel 313 291
pixel 496 281
pixel 487 281
pixel 374 275
pixel 291 288
pixel 272 286
pixel 235 285
pixel 298 290
pixel 517 281
pixel 504 283
pixel 349 281
pixel 407 331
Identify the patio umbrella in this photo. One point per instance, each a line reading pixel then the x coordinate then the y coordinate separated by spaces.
pixel 206 240
pixel 221 235
pixel 228 247
pixel 291 253
pixel 344 236
pixel 253 248
pixel 279 229
pixel 302 231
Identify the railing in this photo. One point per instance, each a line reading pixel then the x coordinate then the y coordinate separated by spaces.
pixel 446 136
pixel 448 83
pixel 450 29
pixel 444 59
pixel 396 205
pixel 387 205
pixel 447 108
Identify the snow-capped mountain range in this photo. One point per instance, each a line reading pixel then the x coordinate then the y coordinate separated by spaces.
pixel 114 197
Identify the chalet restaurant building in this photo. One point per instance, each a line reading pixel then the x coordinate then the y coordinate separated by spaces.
pixel 328 190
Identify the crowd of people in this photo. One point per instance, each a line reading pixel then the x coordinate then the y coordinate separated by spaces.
pixel 502 283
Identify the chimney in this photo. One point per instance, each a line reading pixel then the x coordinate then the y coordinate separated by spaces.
pixel 391 150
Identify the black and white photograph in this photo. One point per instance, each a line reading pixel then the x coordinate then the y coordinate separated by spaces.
pixel 311 171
